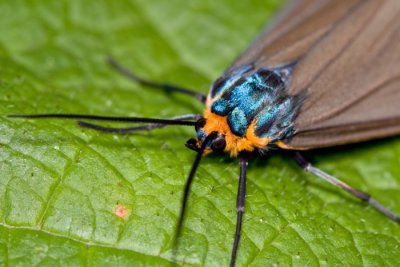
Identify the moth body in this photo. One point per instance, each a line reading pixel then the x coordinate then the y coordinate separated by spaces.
pixel 250 109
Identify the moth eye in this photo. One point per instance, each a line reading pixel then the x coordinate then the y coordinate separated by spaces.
pixel 218 144
pixel 200 123
pixel 192 144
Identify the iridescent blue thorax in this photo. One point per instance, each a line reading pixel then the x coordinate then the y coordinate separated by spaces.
pixel 255 103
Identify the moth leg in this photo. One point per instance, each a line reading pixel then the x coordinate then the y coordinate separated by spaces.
pixel 330 179
pixel 162 86
pixel 128 130
pixel 240 202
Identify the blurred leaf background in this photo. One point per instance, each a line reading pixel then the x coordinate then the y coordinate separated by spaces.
pixel 62 187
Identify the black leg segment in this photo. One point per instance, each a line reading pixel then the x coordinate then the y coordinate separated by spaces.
pixel 186 192
pixel 162 86
pixel 240 202
pixel 330 179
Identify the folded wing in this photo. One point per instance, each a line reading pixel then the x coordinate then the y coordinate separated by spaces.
pixel 347 55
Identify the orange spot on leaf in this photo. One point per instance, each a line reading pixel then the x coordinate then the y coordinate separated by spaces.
pixel 121 211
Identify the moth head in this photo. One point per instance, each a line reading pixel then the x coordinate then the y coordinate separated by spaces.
pixel 215 141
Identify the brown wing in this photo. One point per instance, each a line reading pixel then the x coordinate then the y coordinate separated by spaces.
pixel 348 61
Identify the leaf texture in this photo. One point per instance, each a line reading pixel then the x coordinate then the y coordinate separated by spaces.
pixel 74 197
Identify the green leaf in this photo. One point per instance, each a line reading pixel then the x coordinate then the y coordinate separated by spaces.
pixel 71 196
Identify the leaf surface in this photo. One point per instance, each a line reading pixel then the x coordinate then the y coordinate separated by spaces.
pixel 71 196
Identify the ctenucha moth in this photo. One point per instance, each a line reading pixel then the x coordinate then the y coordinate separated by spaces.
pixel 325 73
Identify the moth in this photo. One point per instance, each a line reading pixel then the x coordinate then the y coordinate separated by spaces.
pixel 324 73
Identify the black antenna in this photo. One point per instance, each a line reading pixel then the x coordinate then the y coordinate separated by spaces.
pixel 104 118
pixel 117 130
pixel 163 86
pixel 129 130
